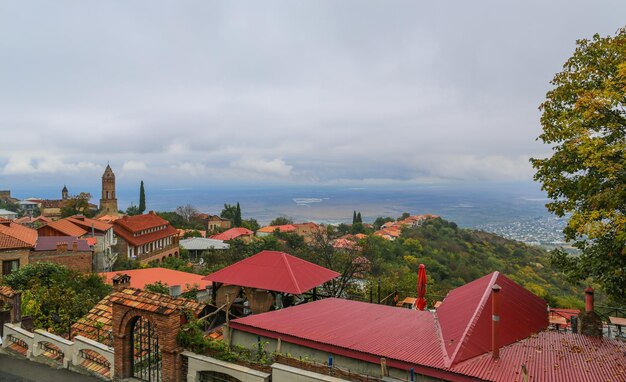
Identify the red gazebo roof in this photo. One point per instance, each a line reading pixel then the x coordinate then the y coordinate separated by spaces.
pixel 275 271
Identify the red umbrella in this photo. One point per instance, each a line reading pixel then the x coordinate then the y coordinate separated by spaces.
pixel 421 287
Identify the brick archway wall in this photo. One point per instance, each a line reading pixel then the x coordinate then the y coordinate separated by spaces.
pixel 167 327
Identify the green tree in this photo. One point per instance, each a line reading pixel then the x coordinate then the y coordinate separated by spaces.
pixel 251 224
pixel 358 218
pixel 229 212
pixel 381 220
pixel 7 204
pixel 353 217
pixel 133 210
pixel 77 205
pixel 157 287
pixel 404 216
pixel 237 221
pixel 56 296
pixel 584 122
pixel 281 220
pixel 142 199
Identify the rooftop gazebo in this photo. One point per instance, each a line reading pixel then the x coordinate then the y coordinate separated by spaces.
pixel 267 278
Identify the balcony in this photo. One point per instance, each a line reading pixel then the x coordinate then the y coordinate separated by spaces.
pixel 157 251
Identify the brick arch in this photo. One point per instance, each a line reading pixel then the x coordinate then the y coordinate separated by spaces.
pixel 167 327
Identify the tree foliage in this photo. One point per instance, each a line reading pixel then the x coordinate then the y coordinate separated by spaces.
pixel 56 296
pixel 584 121
pixel 237 220
pixel 281 220
pixel 77 205
pixel 142 199
pixel 157 287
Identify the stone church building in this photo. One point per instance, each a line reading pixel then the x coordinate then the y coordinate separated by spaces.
pixel 108 201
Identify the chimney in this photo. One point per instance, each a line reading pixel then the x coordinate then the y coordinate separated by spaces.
pixel 121 281
pixel 495 321
pixel 589 322
pixel 61 247
pixel 75 246
pixel 589 299
pixel 151 213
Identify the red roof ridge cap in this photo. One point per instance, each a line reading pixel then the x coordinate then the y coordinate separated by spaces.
pixel 473 320
pixel 288 266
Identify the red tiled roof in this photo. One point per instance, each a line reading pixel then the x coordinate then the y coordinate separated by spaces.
pixel 232 233
pixel 154 302
pixel 6 291
pixel 280 228
pixel 52 203
pixel 87 223
pixel 145 238
pixel 140 222
pixel 65 227
pixel 101 313
pixel 275 271
pixel 140 277
pixel 14 235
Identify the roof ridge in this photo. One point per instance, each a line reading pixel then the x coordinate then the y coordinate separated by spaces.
pixel 472 322
pixel 293 278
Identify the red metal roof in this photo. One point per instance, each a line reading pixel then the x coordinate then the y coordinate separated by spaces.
pixel 145 238
pixel 87 223
pixel 275 271
pixel 232 233
pixel 412 339
pixel 465 316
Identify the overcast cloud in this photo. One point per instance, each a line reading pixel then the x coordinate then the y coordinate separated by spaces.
pixel 297 92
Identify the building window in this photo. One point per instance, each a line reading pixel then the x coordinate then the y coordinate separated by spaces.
pixel 9 266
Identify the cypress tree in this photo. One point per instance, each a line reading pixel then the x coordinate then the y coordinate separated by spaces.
pixel 142 199
pixel 358 218
pixel 237 219
pixel 353 217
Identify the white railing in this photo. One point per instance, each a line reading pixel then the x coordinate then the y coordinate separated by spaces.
pixel 71 354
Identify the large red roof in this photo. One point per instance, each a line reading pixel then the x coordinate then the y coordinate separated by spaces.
pixel 140 222
pixel 140 277
pixel 65 228
pixel 145 238
pixel 232 233
pixel 414 339
pixel 465 316
pixel 275 271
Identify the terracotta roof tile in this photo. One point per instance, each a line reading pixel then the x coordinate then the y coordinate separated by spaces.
pixel 14 235
pixel 140 222
pixel 87 223
pixel 66 227
pixel 280 228
pixel 6 291
pixel 232 233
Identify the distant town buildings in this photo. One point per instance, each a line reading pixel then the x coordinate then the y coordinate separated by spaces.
pixel 146 238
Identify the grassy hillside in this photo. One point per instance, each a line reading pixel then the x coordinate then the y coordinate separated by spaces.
pixel 454 256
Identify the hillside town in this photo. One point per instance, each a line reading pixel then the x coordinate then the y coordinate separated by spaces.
pixel 312 191
pixel 274 316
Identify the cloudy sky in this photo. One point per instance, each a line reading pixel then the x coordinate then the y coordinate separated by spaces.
pixel 322 92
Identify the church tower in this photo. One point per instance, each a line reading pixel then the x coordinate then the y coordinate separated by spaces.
pixel 64 193
pixel 108 202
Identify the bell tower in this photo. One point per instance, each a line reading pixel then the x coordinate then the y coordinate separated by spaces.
pixel 64 193
pixel 108 202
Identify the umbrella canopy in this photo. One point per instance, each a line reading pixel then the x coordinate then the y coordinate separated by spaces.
pixel 421 287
